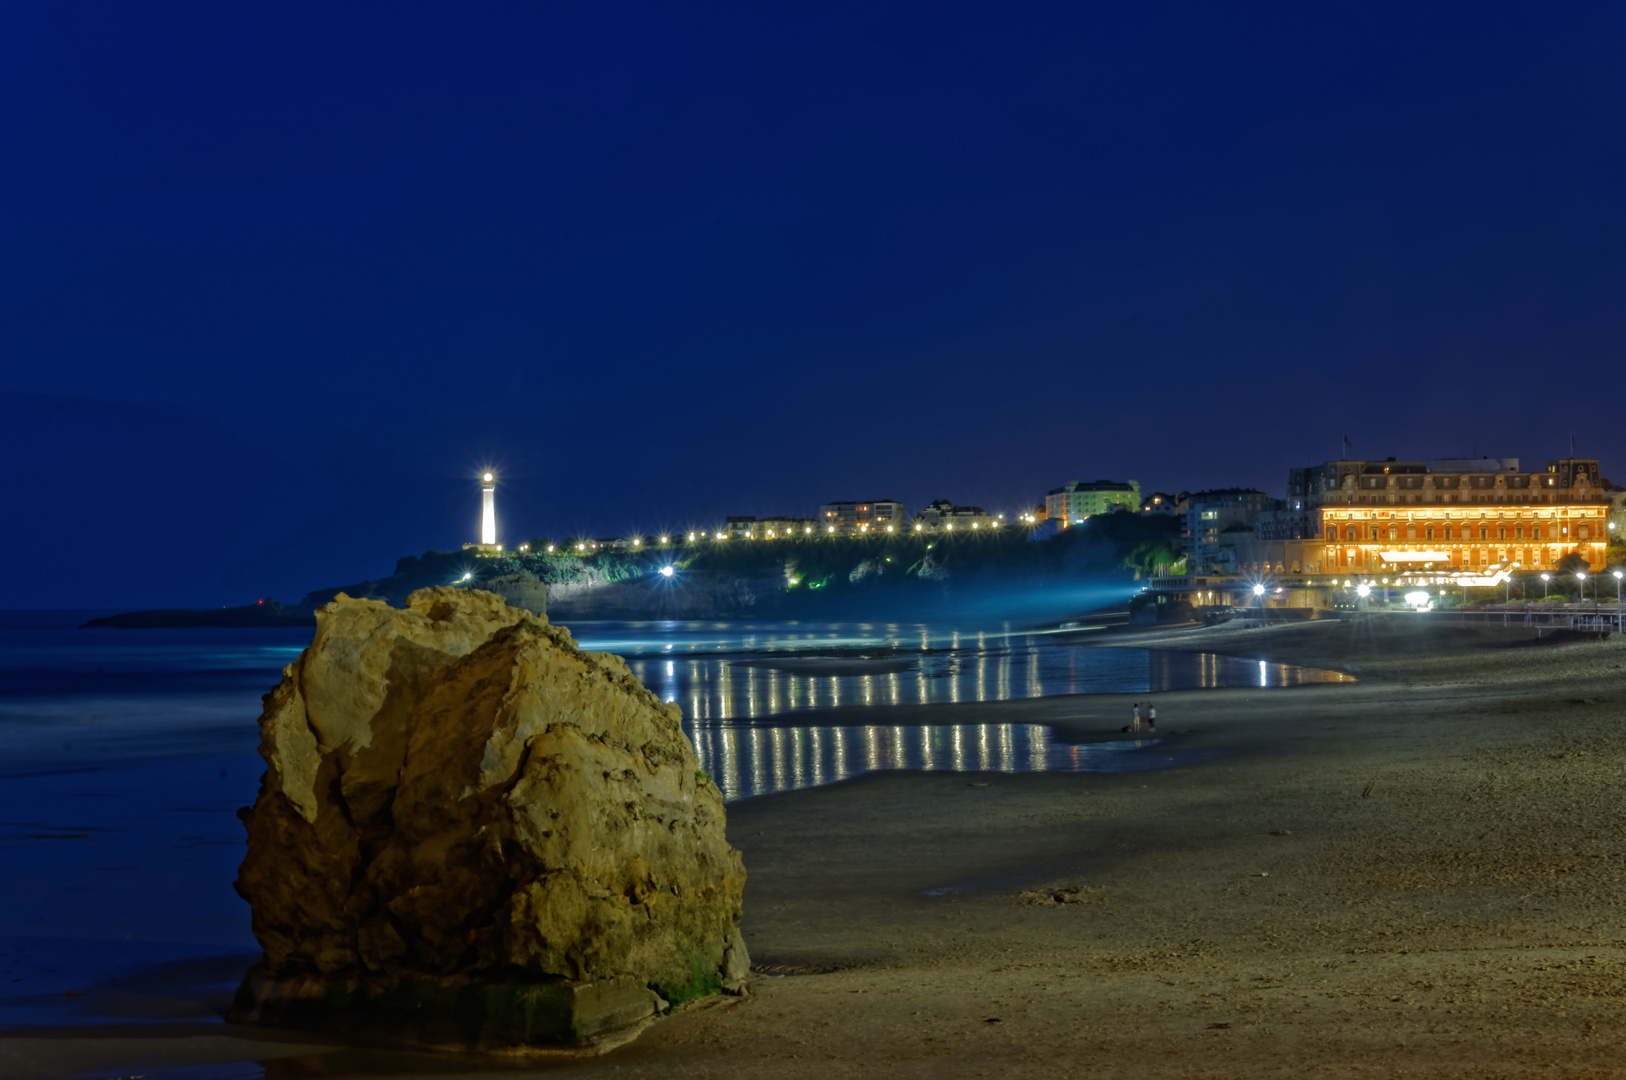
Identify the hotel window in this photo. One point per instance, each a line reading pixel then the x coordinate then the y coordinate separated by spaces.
pixel 1394 533
pixel 1448 532
pixel 1518 532
pixel 1411 532
pixel 1484 532
pixel 1428 532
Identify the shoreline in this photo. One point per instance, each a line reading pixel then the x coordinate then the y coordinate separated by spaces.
pixel 1416 872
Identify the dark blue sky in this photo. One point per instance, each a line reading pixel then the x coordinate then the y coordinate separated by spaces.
pixel 276 279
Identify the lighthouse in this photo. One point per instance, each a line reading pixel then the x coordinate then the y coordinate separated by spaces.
pixel 488 509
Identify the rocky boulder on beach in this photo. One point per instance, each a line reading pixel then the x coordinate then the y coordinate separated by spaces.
pixel 471 833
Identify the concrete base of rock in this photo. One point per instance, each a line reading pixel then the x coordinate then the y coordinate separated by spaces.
pixel 516 1017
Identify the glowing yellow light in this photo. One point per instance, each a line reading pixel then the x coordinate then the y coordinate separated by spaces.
pixel 949 526
pixel 488 511
pixel 637 543
pixel 889 528
pixel 550 548
pixel 486 478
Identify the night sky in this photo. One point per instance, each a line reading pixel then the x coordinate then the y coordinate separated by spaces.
pixel 277 279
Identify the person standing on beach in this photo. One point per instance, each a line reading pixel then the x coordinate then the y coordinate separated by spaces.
pixel 1151 716
pixel 1134 717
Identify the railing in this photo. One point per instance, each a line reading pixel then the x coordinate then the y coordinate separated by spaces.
pixel 1543 617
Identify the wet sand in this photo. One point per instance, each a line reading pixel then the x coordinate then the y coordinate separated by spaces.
pixel 1420 873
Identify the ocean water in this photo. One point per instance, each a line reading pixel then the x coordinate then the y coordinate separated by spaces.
pixel 73 698
pixel 124 756
pixel 742 686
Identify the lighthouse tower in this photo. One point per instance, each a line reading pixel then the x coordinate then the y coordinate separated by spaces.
pixel 488 509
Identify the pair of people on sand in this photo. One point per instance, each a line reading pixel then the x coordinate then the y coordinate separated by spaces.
pixel 1143 716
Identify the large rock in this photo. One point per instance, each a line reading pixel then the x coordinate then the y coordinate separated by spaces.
pixel 473 834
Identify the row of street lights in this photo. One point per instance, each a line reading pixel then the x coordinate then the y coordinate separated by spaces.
pixel 788 534
pixel 1581 576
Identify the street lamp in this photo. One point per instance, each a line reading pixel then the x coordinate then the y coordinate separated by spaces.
pixel 1620 619
pixel 1545 578
pixel 1259 591
pixel 1580 592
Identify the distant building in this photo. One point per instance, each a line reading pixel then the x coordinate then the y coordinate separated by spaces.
pixel 1074 502
pixel 874 515
pixel 944 515
pixel 1448 515
pixel 588 545
pixel 1208 514
pixel 1474 465
pixel 768 528
pixel 1160 502
pixel 780 528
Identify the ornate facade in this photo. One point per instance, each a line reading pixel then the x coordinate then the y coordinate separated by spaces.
pixel 1387 517
pixel 1372 516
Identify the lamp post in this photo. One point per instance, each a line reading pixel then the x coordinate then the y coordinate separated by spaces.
pixel 1620 619
pixel 1259 591
pixel 1545 578
pixel 1580 590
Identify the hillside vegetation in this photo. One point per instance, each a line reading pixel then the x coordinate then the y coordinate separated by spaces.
pixel 819 574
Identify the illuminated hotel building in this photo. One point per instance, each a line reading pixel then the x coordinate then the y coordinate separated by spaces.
pixel 1372 516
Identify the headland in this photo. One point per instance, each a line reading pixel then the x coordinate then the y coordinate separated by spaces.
pixel 874 576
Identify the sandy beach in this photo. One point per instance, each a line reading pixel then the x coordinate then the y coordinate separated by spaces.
pixel 1419 873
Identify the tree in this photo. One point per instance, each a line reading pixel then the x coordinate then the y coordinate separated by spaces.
pixel 1573 563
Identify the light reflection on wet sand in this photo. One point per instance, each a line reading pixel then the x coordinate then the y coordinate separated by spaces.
pixel 719 688
pixel 747 760
pixel 729 679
